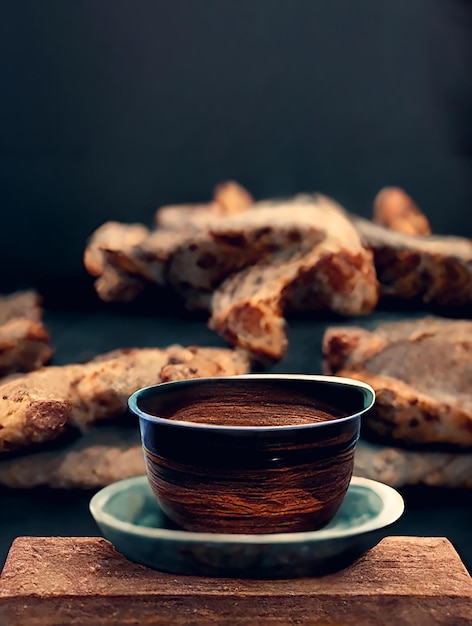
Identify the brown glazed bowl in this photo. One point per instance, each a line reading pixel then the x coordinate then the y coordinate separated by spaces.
pixel 259 453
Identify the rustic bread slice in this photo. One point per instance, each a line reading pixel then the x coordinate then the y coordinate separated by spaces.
pixel 248 309
pixel 195 262
pixel 328 269
pixel 433 269
pixel 43 405
pixel 111 236
pixel 127 257
pixel 36 407
pixel 109 242
pixel 296 254
pixel 208 257
pixel 421 371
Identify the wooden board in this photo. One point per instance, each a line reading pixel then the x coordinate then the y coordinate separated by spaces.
pixel 83 580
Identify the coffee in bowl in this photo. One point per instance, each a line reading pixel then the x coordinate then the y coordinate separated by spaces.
pixel 259 453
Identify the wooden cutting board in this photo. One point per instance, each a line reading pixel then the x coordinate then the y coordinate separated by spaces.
pixel 83 580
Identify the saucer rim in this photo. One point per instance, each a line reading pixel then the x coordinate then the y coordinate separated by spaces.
pixel 392 509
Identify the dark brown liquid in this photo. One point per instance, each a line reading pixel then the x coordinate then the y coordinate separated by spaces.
pixel 254 413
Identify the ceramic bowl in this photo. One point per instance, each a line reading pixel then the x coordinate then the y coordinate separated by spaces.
pixel 129 516
pixel 260 453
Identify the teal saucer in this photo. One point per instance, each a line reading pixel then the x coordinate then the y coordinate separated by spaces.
pixel 129 516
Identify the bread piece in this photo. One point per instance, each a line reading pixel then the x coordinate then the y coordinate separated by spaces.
pixel 186 217
pixel 110 241
pixel 101 457
pixel 43 405
pixel 36 407
pixel 232 198
pixel 127 257
pixel 25 344
pixel 196 261
pixel 206 362
pixel 229 198
pixel 421 371
pixel 247 310
pixel 20 304
pixel 205 259
pixel 434 269
pixel 398 467
pixel 111 236
pixel 266 231
pixel 394 209
pixel 327 270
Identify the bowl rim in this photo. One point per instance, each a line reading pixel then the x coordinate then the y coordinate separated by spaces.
pixel 393 507
pixel 369 395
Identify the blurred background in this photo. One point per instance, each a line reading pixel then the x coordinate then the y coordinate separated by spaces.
pixel 111 108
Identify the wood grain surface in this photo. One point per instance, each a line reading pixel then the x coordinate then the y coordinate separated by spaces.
pixel 70 580
pixel 245 478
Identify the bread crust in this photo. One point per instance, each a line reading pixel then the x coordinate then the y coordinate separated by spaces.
pixel 421 372
pixel 44 405
pixel 25 344
pixel 396 210
pixel 433 269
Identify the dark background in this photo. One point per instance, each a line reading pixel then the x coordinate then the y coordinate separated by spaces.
pixel 110 108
